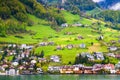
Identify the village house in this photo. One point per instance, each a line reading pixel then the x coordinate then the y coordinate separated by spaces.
pixel 111 54
pixel 64 25
pixel 97 68
pixel 66 69
pixel 99 55
pixel 88 70
pixel 39 70
pixel 2 69
pixel 117 56
pixel 70 46
pixel 88 55
pixel 78 69
pixel 112 48
pixel 82 45
pixel 12 72
pixel 58 47
pixel 24 46
pixel 55 58
pixel 110 67
pixel 53 69
pixel 42 60
pixel 117 68
pixel 51 43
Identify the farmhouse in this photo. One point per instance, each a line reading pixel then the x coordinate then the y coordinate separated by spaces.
pixel 55 58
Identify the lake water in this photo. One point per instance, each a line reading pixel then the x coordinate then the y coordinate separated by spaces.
pixel 61 77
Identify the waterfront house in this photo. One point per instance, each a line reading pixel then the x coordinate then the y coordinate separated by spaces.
pixel 12 72
pixel 66 69
pixel 88 70
pixel 117 67
pixel 53 69
pixel 78 69
pixel 97 68
pixel 109 67
pixel 39 70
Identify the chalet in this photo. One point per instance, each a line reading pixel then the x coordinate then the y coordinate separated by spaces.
pixel 70 46
pixel 99 55
pixel 90 57
pixel 112 48
pixel 82 45
pixel 111 54
pixel 24 46
pixel 55 58
pixel 64 25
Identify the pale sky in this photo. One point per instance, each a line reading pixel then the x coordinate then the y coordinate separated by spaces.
pixel 115 7
pixel 97 1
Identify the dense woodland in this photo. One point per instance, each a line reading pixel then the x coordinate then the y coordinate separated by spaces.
pixel 14 16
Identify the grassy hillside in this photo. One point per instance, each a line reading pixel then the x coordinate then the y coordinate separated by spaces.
pixel 41 31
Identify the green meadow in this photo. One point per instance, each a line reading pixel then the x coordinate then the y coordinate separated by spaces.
pixel 41 31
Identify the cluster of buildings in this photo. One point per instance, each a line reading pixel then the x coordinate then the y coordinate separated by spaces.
pixel 81 69
pixel 24 62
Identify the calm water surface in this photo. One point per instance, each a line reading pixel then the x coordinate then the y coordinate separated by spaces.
pixel 61 77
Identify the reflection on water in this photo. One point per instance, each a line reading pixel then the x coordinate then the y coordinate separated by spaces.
pixel 61 77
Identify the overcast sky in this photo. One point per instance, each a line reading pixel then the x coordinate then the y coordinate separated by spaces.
pixel 98 0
